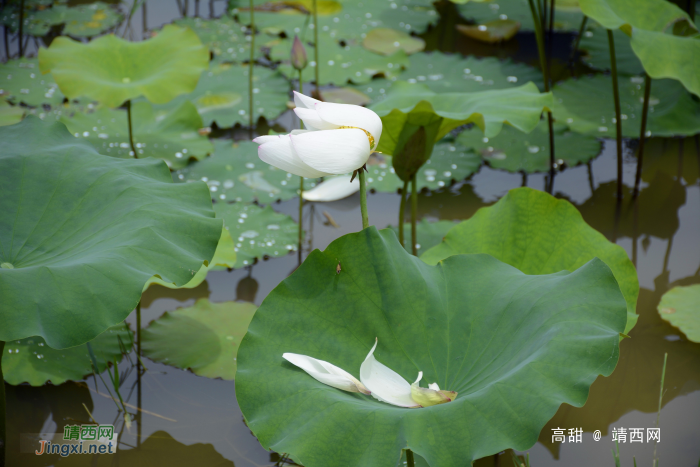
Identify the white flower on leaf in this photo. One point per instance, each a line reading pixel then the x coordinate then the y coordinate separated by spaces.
pixel 383 383
pixel 339 139
pixel 327 373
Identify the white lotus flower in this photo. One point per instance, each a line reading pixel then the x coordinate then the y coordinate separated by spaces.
pixel 333 189
pixel 388 386
pixel 339 139
pixel 326 373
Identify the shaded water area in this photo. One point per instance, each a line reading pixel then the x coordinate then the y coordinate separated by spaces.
pixel 190 420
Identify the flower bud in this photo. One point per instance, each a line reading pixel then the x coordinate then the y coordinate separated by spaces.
pixel 298 54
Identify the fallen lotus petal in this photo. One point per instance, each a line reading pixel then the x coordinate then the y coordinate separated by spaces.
pixel 386 384
pixel 326 373
pixel 432 395
pixel 338 139
pixel 333 189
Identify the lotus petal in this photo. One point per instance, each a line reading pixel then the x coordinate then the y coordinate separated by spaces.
pixel 304 102
pixel 312 120
pixel 280 153
pixel 333 189
pixel 352 116
pixel 332 151
pixel 327 373
pixel 385 384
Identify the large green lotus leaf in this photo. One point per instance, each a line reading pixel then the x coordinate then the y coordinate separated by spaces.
pixel 428 234
pixel 449 162
pixel 81 233
pixel 350 23
pixel 112 70
pixel 516 151
pixel 21 81
pixel 221 95
pixel 224 257
pixel 453 73
pixel 225 38
pixel 386 41
pixel 653 15
pixel 539 234
pixel 172 137
pixel 594 44
pixel 409 106
pixel 204 337
pixel 234 172
pixel 567 16
pixel 514 346
pixel 340 64
pixel 586 106
pixel 258 232
pixel 680 306
pixel 667 56
pixel 10 114
pixel 30 360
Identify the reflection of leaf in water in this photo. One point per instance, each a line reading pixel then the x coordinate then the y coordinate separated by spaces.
pixel 657 213
pixel 634 385
pixel 673 156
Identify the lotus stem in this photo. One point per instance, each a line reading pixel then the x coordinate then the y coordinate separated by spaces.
pixel 250 65
pixel 301 181
pixel 414 215
pixel 363 198
pixel 658 414
pixel 581 32
pixel 131 131
pixel 144 19
pixel 21 29
pixel 402 210
pixel 211 9
pixel 409 458
pixel 3 430
pixel 138 374
pixel 196 8
pixel 316 60
pixel 618 117
pixel 642 134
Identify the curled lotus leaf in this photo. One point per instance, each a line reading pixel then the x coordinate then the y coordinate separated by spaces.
pixel 112 70
pixel 81 233
pixel 514 347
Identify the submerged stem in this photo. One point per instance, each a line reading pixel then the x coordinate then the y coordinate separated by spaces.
pixel 658 414
pixel 3 405
pixel 642 134
pixel 21 29
pixel 414 214
pixel 409 458
pixel 618 119
pixel 250 65
pixel 131 131
pixel 363 198
pixel 402 211
pixel 581 31
pixel 316 68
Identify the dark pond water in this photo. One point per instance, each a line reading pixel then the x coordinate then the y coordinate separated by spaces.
pixel 190 420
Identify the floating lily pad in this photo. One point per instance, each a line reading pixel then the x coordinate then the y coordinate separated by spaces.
pixel 235 173
pixel 586 106
pixel 221 95
pixel 10 114
pixel 112 70
pixel 172 137
pixel 680 306
pixel 258 232
pixel 385 41
pixel 516 151
pixel 653 15
pixel 538 234
pixel 449 162
pixel 453 73
pixel 224 257
pixel 567 17
pixel 349 24
pixel 341 64
pixel 21 81
pixel 491 32
pixel 79 21
pixel 204 337
pixel 225 38
pixel 429 234
pixel 31 361
pixel 81 233
pixel 514 347
pixel 594 44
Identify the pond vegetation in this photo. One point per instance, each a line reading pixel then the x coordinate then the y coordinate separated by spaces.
pixel 350 233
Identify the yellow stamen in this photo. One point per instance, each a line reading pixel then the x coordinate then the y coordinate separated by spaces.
pixel 369 135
